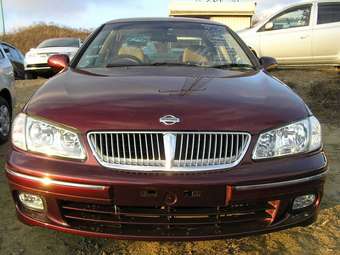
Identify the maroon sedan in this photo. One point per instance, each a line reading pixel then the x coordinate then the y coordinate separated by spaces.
pixel 166 129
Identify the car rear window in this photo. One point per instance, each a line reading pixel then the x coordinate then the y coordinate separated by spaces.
pixel 329 13
pixel 67 42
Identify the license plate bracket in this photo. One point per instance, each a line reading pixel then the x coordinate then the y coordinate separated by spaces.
pixel 168 195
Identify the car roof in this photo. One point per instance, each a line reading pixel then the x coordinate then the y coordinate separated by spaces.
pixel 62 38
pixel 171 19
pixel 317 1
pixel 8 44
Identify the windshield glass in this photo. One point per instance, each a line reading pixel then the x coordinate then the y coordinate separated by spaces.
pixel 65 42
pixel 163 43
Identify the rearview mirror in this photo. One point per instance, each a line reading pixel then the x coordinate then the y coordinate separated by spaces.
pixel 269 26
pixel 58 62
pixel 268 63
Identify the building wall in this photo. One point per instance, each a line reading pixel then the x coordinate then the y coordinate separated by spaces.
pixel 236 14
pixel 234 22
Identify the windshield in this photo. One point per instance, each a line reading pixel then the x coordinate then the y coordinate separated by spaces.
pixel 163 43
pixel 65 42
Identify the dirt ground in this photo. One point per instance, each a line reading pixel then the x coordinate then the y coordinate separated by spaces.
pixel 319 88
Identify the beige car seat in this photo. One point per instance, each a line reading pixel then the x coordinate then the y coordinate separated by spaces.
pixel 190 56
pixel 132 51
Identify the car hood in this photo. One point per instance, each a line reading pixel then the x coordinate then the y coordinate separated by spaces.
pixel 247 32
pixel 136 98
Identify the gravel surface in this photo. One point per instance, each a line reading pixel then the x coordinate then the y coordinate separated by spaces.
pixel 319 88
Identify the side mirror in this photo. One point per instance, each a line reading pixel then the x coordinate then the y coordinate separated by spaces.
pixel 268 63
pixel 58 62
pixel 269 26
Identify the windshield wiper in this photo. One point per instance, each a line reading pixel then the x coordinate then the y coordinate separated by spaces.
pixel 224 66
pixel 171 64
pixel 153 64
pixel 233 65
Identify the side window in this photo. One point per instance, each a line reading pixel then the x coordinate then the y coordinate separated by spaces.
pixel 295 17
pixel 6 50
pixel 328 13
pixel 14 53
pixel 2 56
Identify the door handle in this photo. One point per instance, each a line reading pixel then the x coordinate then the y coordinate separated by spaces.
pixel 304 37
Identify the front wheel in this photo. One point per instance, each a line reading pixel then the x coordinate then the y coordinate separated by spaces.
pixel 5 120
pixel 30 75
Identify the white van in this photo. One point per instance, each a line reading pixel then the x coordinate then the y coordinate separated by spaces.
pixel 304 33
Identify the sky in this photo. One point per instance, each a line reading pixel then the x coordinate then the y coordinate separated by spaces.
pixel 89 14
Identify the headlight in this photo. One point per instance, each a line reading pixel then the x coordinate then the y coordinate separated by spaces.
pixel 39 136
pixel 301 136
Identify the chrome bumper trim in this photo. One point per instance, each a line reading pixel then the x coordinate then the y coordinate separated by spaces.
pixel 37 68
pixel 48 181
pixel 280 184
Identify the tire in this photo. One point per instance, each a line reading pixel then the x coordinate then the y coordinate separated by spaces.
pixel 30 76
pixel 5 120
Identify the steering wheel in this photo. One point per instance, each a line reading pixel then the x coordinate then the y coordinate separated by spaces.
pixel 126 60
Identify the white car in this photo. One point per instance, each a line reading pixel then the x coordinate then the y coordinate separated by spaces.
pixel 36 59
pixel 307 33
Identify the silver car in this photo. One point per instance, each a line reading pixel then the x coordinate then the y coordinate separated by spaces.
pixel 7 99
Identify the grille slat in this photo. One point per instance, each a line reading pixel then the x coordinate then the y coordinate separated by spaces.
pixel 198 150
pixel 124 148
pixel 180 151
pixel 203 151
pixel 232 146
pixel 118 150
pixel 186 150
pixel 144 151
pixel 152 146
pixel 129 145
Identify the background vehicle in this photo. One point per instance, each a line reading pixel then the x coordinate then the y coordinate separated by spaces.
pixel 304 33
pixel 36 59
pixel 6 95
pixel 17 59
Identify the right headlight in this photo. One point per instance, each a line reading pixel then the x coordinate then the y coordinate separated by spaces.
pixel 298 137
pixel 40 136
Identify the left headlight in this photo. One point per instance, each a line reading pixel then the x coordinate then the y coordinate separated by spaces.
pixel 299 137
pixel 35 135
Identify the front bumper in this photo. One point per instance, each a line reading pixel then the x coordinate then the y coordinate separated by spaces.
pixel 38 67
pixel 158 207
pixel 36 63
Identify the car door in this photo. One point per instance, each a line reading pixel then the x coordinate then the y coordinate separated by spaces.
pixel 326 34
pixel 6 70
pixel 18 61
pixel 287 36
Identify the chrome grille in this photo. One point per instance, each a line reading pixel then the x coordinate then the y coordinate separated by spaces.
pixel 169 151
